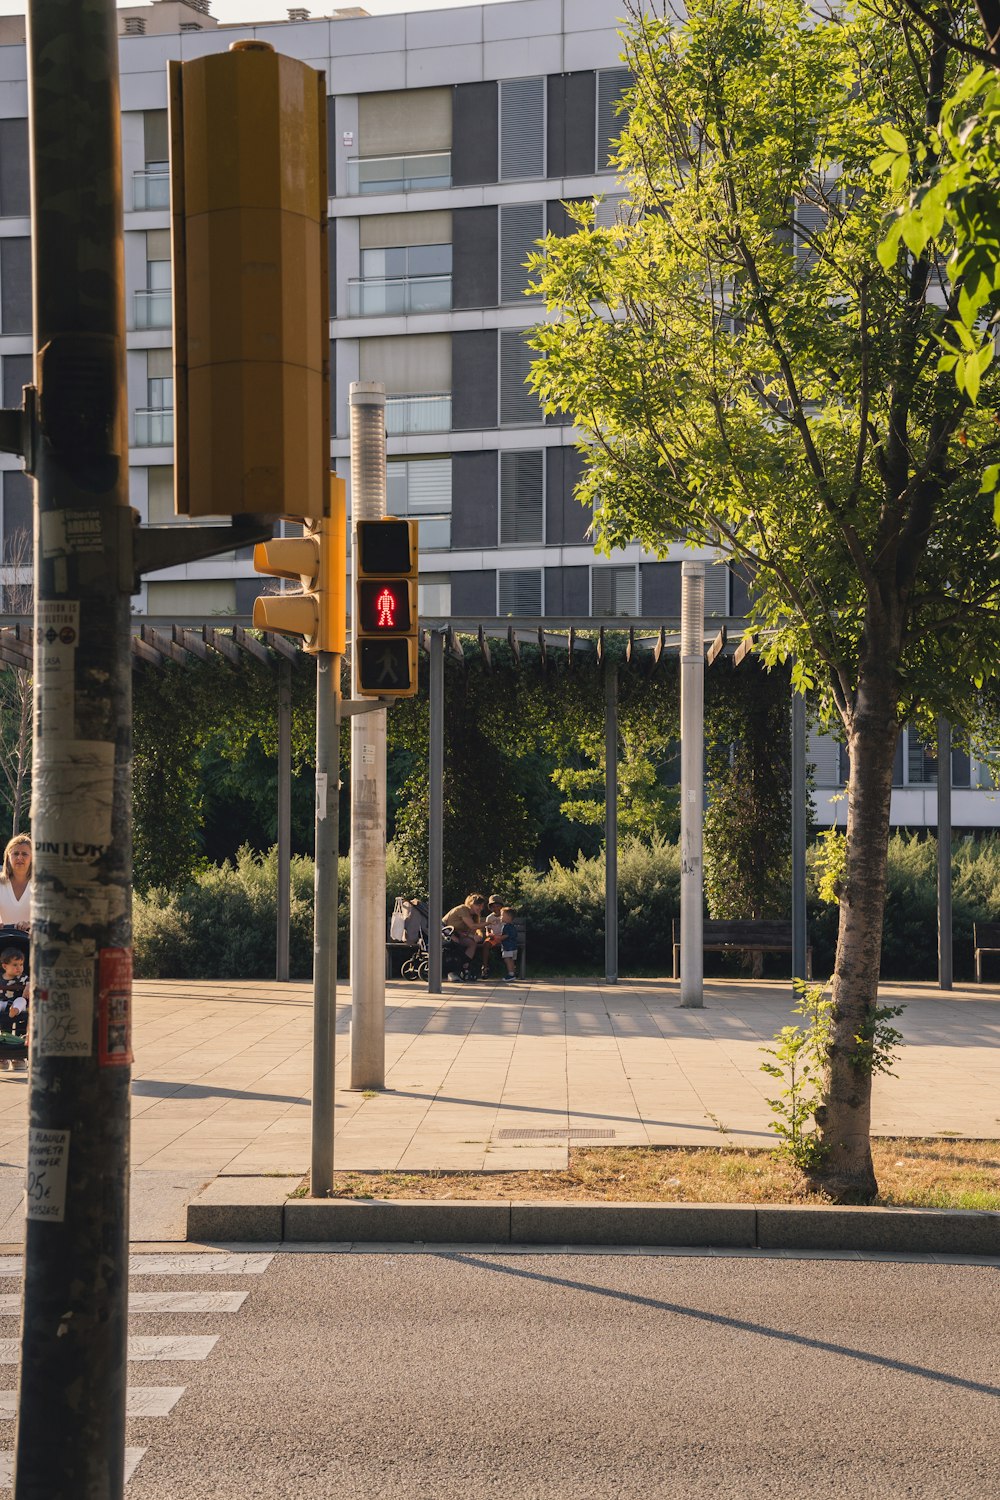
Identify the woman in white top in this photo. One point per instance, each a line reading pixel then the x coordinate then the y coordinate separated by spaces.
pixel 15 883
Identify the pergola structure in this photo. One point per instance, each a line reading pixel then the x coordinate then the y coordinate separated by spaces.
pixel 564 640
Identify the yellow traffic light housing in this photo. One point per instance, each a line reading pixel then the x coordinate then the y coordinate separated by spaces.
pixel 248 178
pixel 317 561
pixel 386 621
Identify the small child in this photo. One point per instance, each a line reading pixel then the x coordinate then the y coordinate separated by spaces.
pixel 14 996
pixel 508 943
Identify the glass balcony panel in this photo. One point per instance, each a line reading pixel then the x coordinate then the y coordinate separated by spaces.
pixel 393 298
pixel 408 414
pixel 150 190
pixel 154 427
pixel 434 533
pixel 399 174
pixel 152 309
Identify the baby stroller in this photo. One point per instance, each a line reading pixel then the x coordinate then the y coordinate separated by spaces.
pixel 13 1037
pixel 409 924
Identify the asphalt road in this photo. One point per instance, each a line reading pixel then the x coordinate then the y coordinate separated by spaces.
pixel 580 1377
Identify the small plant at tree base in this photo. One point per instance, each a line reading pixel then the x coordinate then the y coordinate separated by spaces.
pixel 800 1057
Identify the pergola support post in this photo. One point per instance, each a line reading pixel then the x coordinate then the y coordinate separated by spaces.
pixel 945 966
pixel 281 966
pixel 611 822
pixel 692 783
pixel 435 830
pixel 799 820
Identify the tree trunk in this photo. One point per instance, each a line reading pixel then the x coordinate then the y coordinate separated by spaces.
pixel 23 749
pixel 846 1173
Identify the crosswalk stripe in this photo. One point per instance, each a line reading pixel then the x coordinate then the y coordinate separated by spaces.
pixel 140 1401
pixel 167 1346
pixel 132 1457
pixel 158 1302
pixel 197 1263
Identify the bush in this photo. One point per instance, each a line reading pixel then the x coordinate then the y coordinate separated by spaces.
pixel 221 925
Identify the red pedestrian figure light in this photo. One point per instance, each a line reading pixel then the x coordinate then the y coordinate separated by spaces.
pixel 386 605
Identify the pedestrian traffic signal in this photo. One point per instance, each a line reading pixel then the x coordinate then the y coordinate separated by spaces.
pixel 248 180
pixel 385 608
pixel 317 561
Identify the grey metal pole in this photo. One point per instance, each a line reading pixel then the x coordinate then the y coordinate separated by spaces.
pixel 611 822
pixel 281 966
pixel 799 816
pixel 692 783
pixel 435 830
pixel 70 1441
pixel 945 964
pixel 325 901
pixel 368 794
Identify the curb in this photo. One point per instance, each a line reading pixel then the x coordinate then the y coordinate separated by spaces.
pixel 508 1222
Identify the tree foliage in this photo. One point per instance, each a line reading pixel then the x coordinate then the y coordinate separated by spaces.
pixel 749 376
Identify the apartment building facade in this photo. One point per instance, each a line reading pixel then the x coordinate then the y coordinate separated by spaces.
pixel 455 139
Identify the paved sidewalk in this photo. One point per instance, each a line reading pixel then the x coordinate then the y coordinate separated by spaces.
pixel 489 1077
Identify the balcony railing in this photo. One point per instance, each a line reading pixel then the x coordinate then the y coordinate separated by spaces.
pixel 154 426
pixel 399 174
pixel 406 414
pixel 392 297
pixel 152 309
pixel 150 190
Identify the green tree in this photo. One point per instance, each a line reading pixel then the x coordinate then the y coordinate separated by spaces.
pixel 749 376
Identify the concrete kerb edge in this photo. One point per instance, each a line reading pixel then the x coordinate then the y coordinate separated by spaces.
pixel 682 1225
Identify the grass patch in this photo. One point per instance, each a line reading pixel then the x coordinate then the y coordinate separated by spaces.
pixel 929 1173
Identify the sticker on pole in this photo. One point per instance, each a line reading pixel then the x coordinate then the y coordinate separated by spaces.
pixel 114 1030
pixel 48 1158
pixel 64 995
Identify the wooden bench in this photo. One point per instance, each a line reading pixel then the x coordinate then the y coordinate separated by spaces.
pixel 396 954
pixel 750 936
pixel 985 939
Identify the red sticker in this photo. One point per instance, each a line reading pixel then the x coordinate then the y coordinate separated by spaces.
pixel 115 1007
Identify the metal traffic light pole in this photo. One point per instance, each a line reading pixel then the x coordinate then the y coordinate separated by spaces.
pixel 70 1441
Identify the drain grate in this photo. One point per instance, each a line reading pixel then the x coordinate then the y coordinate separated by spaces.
pixel 555 1133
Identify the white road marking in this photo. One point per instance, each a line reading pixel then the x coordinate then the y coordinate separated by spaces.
pixel 140 1401
pixel 166 1346
pixel 158 1302
pixel 197 1263
pixel 132 1457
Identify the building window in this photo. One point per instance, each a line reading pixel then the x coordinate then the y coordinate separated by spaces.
pixel 15 192
pixel 522 128
pixel 614 591
pixel 611 85
pixel 522 497
pixel 154 422
pixel 434 596
pixel 153 303
pixel 520 591
pixel 405 279
pixel 518 403
pixel 521 226
pixel 421 489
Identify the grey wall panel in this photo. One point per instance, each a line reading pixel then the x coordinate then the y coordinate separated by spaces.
pixel 15 192
pixel 572 124
pixel 474 499
pixel 739 590
pixel 567 591
pixel 17 516
pixel 475 133
pixel 15 286
pixel 16 375
pixel 474 257
pixel 474 379
pixel 333 387
pixel 566 520
pixel 557 220
pixel 660 588
pixel 331 265
pixel 475 593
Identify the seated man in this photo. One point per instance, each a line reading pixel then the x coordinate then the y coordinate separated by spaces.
pixel 467 934
pixel 491 928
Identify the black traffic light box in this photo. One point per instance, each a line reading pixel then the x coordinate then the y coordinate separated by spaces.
pixel 385 608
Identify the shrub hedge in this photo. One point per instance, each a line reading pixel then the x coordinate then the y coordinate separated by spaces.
pixel 221 925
